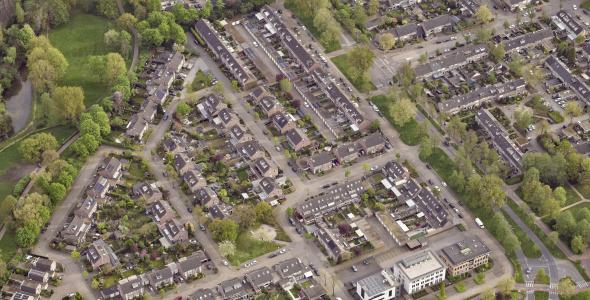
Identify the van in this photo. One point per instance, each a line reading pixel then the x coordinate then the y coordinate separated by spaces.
pixel 479 223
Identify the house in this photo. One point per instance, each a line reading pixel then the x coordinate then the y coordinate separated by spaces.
pixel 170 144
pixel 235 289
pixel 469 7
pixel 226 118
pixel 190 266
pixel 332 245
pixel 405 32
pixel 110 293
pixel 23 296
pixel 218 211
pixel 75 232
pixel 131 287
pixel 559 70
pixel 209 36
pixel 44 264
pixel 112 169
pixel 194 180
pixel 267 189
pixel 419 271
pixel 436 25
pixel 269 106
pixel 514 5
pixel 148 110
pixel 175 63
pixel 161 211
pixel 173 232
pixel 39 276
pixel 282 122
pixel 395 173
pixel 465 255
pixel 203 294
pixel 297 139
pixel 378 286
pixel 372 144
pixel 292 268
pixel 136 127
pixel 258 93
pixel 205 197
pixel 237 135
pixel 312 290
pixel 354 117
pixel 500 139
pixel 260 278
pixel 87 208
pixel 150 192
pixel 346 153
pixel 565 22
pixel 452 60
pixel 250 150
pixel 100 188
pixel 210 106
pixel 101 256
pixel 159 95
pixel 321 162
pixel 160 278
pixel 527 40
pixel 482 95
pixel 333 199
pixel 387 5
pixel 32 287
pixel 182 163
pixel 583 126
pixel 264 168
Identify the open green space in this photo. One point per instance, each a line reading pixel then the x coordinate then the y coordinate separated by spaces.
pixel 579 206
pixel 363 83
pixel 584 189
pixel 540 295
pixel 78 40
pixel 248 248
pixel 585 4
pixel 571 196
pixel 308 22
pixel 411 133
pixel 585 295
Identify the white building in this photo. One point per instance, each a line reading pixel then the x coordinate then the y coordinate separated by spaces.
pixel 419 271
pixel 379 286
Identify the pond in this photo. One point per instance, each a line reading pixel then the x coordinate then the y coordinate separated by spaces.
pixel 19 106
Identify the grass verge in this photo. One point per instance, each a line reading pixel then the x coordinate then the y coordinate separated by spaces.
pixel 411 133
pixel 529 248
pixel 363 83
pixel 248 248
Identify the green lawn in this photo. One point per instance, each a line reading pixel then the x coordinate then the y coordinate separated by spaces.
pixel 578 207
pixel 540 295
pixel 585 5
pixel 585 295
pixel 308 22
pixel 584 189
pixel 363 84
pixel 529 248
pixel 248 248
pixel 8 245
pixel 79 39
pixel 441 162
pixel 411 133
pixel 571 195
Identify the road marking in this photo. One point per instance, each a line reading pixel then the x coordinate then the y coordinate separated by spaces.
pixel 582 285
pixel 529 283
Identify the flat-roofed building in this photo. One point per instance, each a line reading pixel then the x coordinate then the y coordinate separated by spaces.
pixel 464 256
pixel 378 286
pixel 419 271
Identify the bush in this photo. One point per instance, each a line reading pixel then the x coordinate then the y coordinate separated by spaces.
pixel 20 185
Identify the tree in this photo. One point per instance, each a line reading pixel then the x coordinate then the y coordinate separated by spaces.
pixel 46 64
pixel 19 13
pixel 456 128
pixel 532 75
pixel 523 117
pixel 224 230
pixel 227 248
pixel 402 111
pixel 560 195
pixel 57 192
pixel 286 85
pixel 497 52
pixel 33 147
pixel 573 109
pixel 32 210
pixel 75 254
pixel 263 212
pixel 373 7
pixel 108 8
pixel 88 126
pixel 386 41
pixel 442 294
pixel 483 35
pixel 426 148
pixel 45 13
pixel 244 215
pixel 406 75
pixel 360 59
pixel 68 103
pixel 182 110
pixel 100 117
pixel 25 236
pixel 483 14
pixel 578 244
pixel 108 67
pixel 126 21
pixel 566 287
pixel 506 285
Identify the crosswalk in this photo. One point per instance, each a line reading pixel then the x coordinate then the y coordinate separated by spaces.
pixel 582 285
pixel 529 284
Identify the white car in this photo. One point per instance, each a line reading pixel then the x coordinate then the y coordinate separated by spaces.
pixel 225 263
pixel 575 7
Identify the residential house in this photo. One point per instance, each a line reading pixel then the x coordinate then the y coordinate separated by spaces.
pixel 282 122
pixel 436 25
pixel 101 256
pixel 210 37
pixel 112 169
pixel 235 289
pixel 267 189
pixel 452 60
pixel 559 70
pixel 191 266
pixel 75 232
pixel 237 135
pixel 527 40
pixel 203 294
pixel 332 199
pixel 321 162
pixel 264 168
pixel 39 276
pixel 148 110
pixel 250 150
pixel 160 278
pixel 333 246
pixel 226 118
pixel 482 95
pixel 136 127
pixel 194 180
pixel 23 296
pixel 100 188
pixel 149 191
pixel 173 232
pixel 514 5
pixel 312 290
pixel 297 139
pixel 44 264
pixel 565 22
pixel 405 32
pixel 32 287
pixel 260 278
pixel 182 163
pixel 378 286
pixel 500 140
pixel 87 208
pixel 161 211
pixel 292 268
pixel 419 271
pixel 159 96
pixel 210 106
pixel 258 93
pixel 465 255
pixel 346 153
pixel 131 287
pixel 205 197
pixel 372 144
pixel 269 106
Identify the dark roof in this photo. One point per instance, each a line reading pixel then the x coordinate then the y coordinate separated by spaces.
pixel 294 136
pixel 192 262
pixel 321 158
pixel 394 169
pixel 527 39
pixel 248 149
pixel 290 267
pixel 280 120
pixel 501 141
pixel 465 250
pixel 204 195
pixel 130 284
pixel 226 115
pixel 432 207
pixel 267 103
pixel 329 241
pixel 260 277
pixel 443 20
pixel 564 74
pixel 180 160
pixel 267 184
pixel 405 30
pixel 262 165
pixel 237 131
pixel 372 140
pixel 569 21
pixel 235 288
pixel 483 93
pixel 457 57
pixel 203 294
pixel 346 150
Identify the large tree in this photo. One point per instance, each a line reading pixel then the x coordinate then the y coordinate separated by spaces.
pixel 108 67
pixel 224 230
pixel 33 147
pixel 360 60
pixel 483 14
pixel 43 14
pixel 402 111
pixel 386 41
pixel 68 103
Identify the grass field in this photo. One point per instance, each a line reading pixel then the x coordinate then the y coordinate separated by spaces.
pixel 578 207
pixel 571 196
pixel 411 133
pixel 248 248
pixel 540 295
pixel 585 5
pixel 364 84
pixel 79 39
